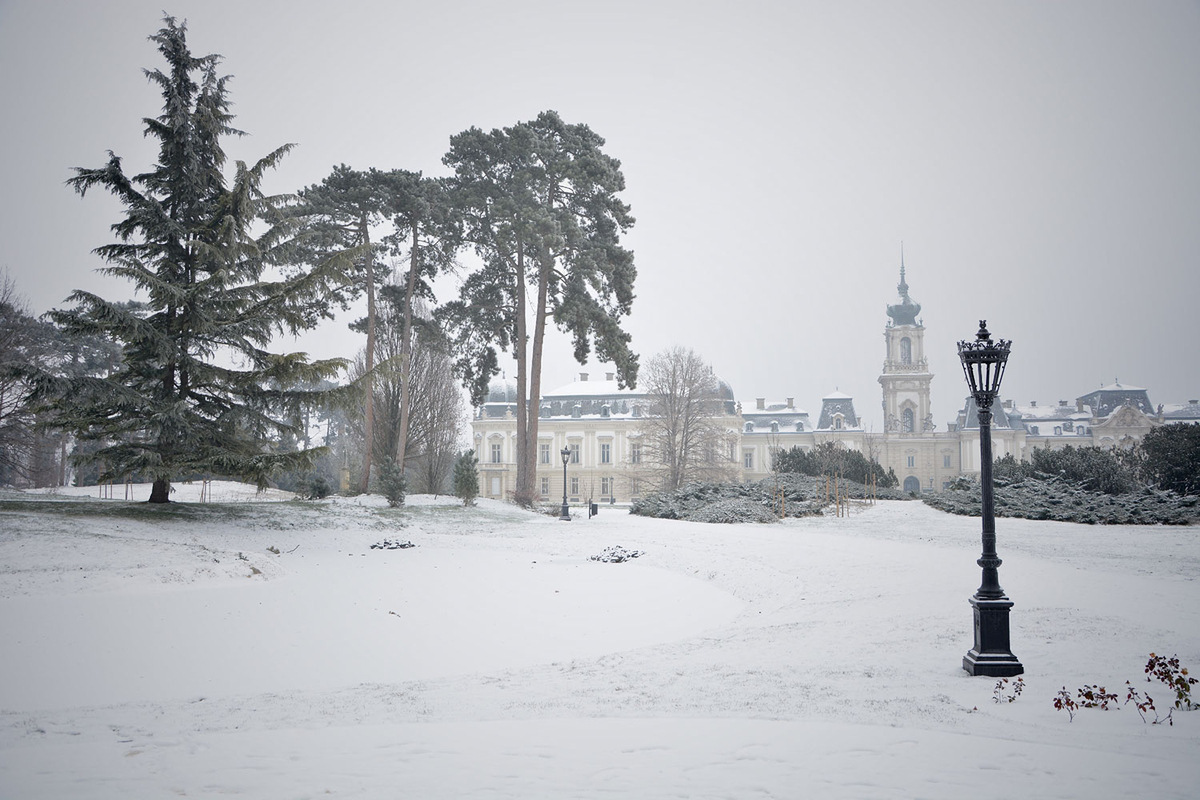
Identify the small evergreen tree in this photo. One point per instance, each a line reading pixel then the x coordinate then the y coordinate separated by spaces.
pixel 199 250
pixel 391 482
pixel 1095 469
pixel 466 478
pixel 1172 458
pixel 829 458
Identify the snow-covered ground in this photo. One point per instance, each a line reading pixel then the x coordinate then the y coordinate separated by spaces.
pixel 151 652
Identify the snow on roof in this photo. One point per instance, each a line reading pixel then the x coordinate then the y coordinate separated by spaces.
pixel 590 389
pixel 1120 387
pixel 774 410
pixel 1051 411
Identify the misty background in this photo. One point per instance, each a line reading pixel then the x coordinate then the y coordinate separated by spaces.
pixel 1039 162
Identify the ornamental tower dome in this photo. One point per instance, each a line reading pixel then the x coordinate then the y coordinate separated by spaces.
pixel 905 312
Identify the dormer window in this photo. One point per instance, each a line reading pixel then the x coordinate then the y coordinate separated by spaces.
pixel 749 427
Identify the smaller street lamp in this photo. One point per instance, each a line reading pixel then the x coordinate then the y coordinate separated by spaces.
pixel 566 512
pixel 983 363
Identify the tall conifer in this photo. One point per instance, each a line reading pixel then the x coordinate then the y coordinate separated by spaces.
pixel 197 391
pixel 541 209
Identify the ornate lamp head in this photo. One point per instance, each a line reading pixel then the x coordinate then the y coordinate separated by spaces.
pixel 983 363
pixel 566 455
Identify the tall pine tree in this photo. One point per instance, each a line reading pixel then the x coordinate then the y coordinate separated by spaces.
pixel 340 212
pixel 197 390
pixel 541 208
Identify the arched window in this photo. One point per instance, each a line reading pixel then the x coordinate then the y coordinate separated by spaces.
pixel 907 420
pixel 905 351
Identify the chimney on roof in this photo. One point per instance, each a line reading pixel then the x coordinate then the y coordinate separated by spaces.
pixel 583 377
pixel 791 402
pixel 761 402
pixel 1194 402
pixel 610 376
pixel 1033 403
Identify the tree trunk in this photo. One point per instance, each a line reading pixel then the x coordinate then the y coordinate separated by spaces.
pixel 520 345
pixel 161 491
pixel 406 355
pixel 369 406
pixel 535 382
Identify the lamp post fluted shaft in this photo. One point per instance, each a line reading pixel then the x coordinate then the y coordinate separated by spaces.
pixel 989 587
pixel 983 364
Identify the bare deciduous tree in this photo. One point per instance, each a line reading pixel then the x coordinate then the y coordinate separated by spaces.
pixel 687 432
pixel 436 407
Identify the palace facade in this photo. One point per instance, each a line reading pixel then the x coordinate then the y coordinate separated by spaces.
pixel 601 426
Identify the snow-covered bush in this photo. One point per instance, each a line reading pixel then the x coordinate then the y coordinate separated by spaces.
pixel 787 493
pixel 730 511
pixel 1056 498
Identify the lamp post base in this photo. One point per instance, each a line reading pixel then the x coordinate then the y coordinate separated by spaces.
pixel 991 655
pixel 565 515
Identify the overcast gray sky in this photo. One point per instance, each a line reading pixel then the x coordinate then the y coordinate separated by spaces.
pixel 1040 162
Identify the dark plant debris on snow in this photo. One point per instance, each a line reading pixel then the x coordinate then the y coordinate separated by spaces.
pixel 392 544
pixel 616 555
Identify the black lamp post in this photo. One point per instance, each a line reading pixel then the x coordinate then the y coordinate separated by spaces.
pixel 566 512
pixel 983 363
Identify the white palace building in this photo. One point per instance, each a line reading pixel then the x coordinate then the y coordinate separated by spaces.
pixel 601 425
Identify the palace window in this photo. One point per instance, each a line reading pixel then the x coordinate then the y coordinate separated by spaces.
pixel 748 459
pixel 544 454
pixel 912 461
pixel 575 487
pixel 606 487
pixel 605 453
pixel 545 487
pixel 908 420
pixel 946 462
pixel 574 448
pixel 905 351
pixel 496 453
pixel 635 453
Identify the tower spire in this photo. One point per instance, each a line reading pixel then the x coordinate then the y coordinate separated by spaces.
pixel 905 312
